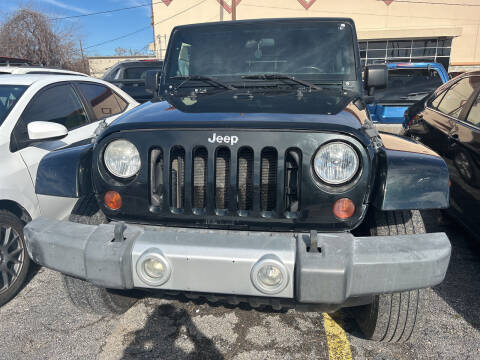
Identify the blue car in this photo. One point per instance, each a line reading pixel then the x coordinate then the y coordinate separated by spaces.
pixel 407 84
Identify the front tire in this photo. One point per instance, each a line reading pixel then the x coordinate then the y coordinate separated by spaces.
pixel 83 294
pixel 14 260
pixel 97 300
pixel 393 317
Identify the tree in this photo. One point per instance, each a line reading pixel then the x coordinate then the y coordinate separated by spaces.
pixel 119 51
pixel 29 34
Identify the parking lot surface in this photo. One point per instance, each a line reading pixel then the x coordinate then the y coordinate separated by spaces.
pixel 41 323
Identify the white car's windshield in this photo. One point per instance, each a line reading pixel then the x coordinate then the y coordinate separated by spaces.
pixel 9 95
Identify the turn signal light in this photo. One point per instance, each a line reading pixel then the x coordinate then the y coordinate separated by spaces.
pixel 343 208
pixel 113 200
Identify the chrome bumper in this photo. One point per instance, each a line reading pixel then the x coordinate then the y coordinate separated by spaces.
pixel 222 262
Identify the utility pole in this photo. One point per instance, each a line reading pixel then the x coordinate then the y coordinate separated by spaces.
pixel 83 58
pixel 234 10
pixel 152 23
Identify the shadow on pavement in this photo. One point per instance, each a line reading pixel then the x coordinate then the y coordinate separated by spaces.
pixel 461 287
pixel 170 334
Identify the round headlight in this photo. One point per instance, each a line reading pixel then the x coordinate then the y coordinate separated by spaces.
pixel 122 158
pixel 336 163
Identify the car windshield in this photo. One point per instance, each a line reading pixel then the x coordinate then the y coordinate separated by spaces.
pixel 409 84
pixel 308 50
pixel 9 95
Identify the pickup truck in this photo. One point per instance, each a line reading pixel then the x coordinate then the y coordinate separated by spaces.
pixel 130 77
pixel 407 84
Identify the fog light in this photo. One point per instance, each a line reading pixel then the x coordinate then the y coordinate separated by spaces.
pixel 153 267
pixel 269 275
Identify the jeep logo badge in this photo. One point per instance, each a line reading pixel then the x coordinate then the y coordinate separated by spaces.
pixel 232 140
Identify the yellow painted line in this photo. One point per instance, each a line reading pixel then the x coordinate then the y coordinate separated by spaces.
pixel 338 345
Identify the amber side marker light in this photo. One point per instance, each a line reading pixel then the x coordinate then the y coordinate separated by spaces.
pixel 343 208
pixel 113 200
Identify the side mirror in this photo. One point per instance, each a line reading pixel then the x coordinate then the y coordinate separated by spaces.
pixel 152 81
pixel 376 77
pixel 43 130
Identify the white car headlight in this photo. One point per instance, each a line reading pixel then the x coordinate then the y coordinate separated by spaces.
pixel 122 158
pixel 336 163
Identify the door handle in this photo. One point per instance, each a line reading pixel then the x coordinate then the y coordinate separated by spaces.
pixel 453 136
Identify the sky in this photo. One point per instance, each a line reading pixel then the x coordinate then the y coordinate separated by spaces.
pixel 97 28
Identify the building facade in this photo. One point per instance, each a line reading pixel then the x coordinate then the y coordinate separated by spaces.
pixel 444 31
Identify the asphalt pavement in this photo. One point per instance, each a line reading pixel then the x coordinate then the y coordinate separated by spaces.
pixel 41 323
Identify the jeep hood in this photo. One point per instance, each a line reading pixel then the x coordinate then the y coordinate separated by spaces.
pixel 330 110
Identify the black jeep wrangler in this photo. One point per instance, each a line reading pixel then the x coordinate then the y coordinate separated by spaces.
pixel 260 178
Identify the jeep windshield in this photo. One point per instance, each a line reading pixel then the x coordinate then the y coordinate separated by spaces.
pixel 9 95
pixel 409 85
pixel 233 53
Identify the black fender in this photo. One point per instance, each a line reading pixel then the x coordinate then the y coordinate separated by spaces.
pixel 66 172
pixel 410 176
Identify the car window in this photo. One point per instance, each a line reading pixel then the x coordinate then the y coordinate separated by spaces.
pixel 457 96
pixel 473 116
pixel 405 83
pixel 103 100
pixel 58 104
pixel 137 73
pixel 9 95
pixel 434 103
pixel 122 103
pixel 116 74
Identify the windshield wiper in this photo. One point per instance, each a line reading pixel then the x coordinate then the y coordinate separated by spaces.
pixel 270 76
pixel 415 94
pixel 201 78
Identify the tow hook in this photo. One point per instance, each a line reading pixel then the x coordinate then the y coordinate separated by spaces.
pixel 118 232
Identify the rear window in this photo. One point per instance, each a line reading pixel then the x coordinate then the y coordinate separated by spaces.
pixel 9 95
pixel 406 84
pixel 137 72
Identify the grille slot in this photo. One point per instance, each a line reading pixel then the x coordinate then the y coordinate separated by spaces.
pixel 156 177
pixel 245 179
pixel 293 165
pixel 200 158
pixel 268 180
pixel 222 178
pixel 177 177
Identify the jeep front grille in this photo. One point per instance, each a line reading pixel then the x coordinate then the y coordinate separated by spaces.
pixel 226 181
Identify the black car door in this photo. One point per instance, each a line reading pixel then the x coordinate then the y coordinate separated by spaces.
pixel 438 119
pixel 464 166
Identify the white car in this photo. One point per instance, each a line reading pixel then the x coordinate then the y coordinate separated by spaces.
pixel 36 70
pixel 39 114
